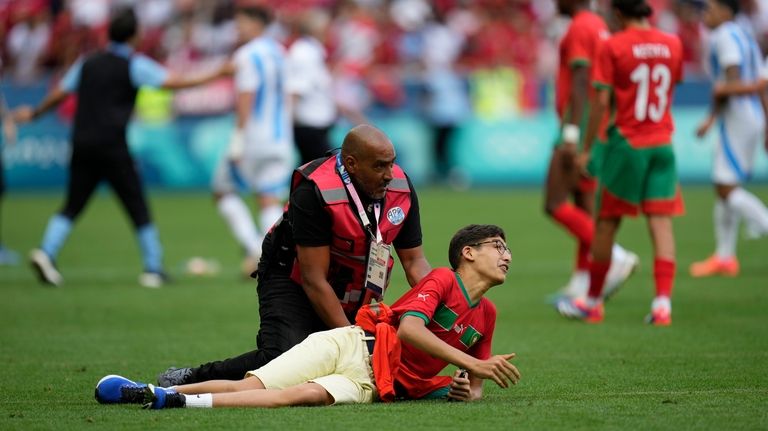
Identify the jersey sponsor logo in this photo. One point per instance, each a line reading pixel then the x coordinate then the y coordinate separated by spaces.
pixel 396 215
pixel 422 296
pixel 459 328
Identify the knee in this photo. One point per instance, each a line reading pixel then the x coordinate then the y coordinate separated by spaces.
pixel 308 394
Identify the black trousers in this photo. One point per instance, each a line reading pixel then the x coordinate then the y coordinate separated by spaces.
pixel 312 142
pixel 287 318
pixel 89 166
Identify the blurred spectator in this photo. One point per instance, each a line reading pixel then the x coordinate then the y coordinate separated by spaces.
pixel 311 87
pixel 447 103
pixel 28 40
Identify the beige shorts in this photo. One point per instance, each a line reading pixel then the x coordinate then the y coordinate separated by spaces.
pixel 337 360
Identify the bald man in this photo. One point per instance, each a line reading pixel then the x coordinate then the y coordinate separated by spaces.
pixel 330 253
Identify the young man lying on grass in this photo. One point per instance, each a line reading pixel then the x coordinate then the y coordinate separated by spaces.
pixel 388 354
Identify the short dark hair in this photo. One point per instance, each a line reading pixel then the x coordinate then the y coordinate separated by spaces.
pixel 123 25
pixel 733 5
pixel 469 235
pixel 633 8
pixel 256 12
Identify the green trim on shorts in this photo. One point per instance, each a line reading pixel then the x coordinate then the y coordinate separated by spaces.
pixel 602 85
pixel 579 61
pixel 636 175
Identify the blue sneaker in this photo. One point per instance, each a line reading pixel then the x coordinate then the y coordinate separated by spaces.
pixel 114 389
pixel 163 398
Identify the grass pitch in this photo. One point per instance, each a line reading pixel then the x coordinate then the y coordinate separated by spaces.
pixel 706 371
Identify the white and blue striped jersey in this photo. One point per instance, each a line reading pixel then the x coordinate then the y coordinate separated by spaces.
pixel 261 69
pixel 731 45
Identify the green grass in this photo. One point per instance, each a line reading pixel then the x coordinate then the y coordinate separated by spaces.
pixel 707 371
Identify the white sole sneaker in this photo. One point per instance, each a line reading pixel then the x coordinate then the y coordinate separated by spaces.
pixel 151 280
pixel 619 272
pixel 46 270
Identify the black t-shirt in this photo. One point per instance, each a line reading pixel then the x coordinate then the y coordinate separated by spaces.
pixel 312 223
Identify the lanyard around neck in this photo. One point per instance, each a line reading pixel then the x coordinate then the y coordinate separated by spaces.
pixel 356 199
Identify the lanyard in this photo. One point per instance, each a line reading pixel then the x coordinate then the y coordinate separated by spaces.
pixel 356 199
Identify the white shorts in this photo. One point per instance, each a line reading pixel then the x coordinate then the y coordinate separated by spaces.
pixel 735 153
pixel 265 173
pixel 336 359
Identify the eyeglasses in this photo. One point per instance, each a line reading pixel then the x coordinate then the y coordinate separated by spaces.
pixel 500 246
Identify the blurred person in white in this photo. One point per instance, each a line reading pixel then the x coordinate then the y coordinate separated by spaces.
pixel 735 59
pixel 89 13
pixel 28 40
pixel 260 154
pixel 310 85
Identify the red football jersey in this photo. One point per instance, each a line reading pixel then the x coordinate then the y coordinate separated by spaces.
pixel 442 302
pixel 642 67
pixel 578 47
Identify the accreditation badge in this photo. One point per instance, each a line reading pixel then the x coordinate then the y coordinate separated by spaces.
pixel 376 274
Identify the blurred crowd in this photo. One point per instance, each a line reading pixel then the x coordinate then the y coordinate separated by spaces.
pixel 443 56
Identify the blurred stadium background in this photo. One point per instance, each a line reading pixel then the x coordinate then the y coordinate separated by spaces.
pixel 482 68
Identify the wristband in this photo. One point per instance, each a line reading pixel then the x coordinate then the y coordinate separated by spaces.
pixel 236 144
pixel 571 133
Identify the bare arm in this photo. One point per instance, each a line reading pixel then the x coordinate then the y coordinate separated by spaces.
pixel 733 80
pixel 413 331
pixel 414 264
pixel 600 103
pixel 576 100
pixel 25 114
pixel 314 263
pixel 725 89
pixel 176 82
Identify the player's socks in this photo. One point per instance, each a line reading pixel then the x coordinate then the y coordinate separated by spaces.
pixel 751 208
pixel 56 234
pixel 583 256
pixel 726 230
pixel 269 215
pixel 151 250
pixel 576 221
pixel 664 275
pixel 240 221
pixel 199 401
pixel 597 273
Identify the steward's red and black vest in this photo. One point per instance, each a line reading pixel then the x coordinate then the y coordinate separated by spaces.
pixel 350 242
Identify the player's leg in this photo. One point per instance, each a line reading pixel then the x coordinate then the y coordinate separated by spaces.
pixel 120 171
pixel 84 176
pixel 664 267
pixel 270 178
pixel 562 177
pixel 327 367
pixel 236 213
pixel 662 200
pixel 733 160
